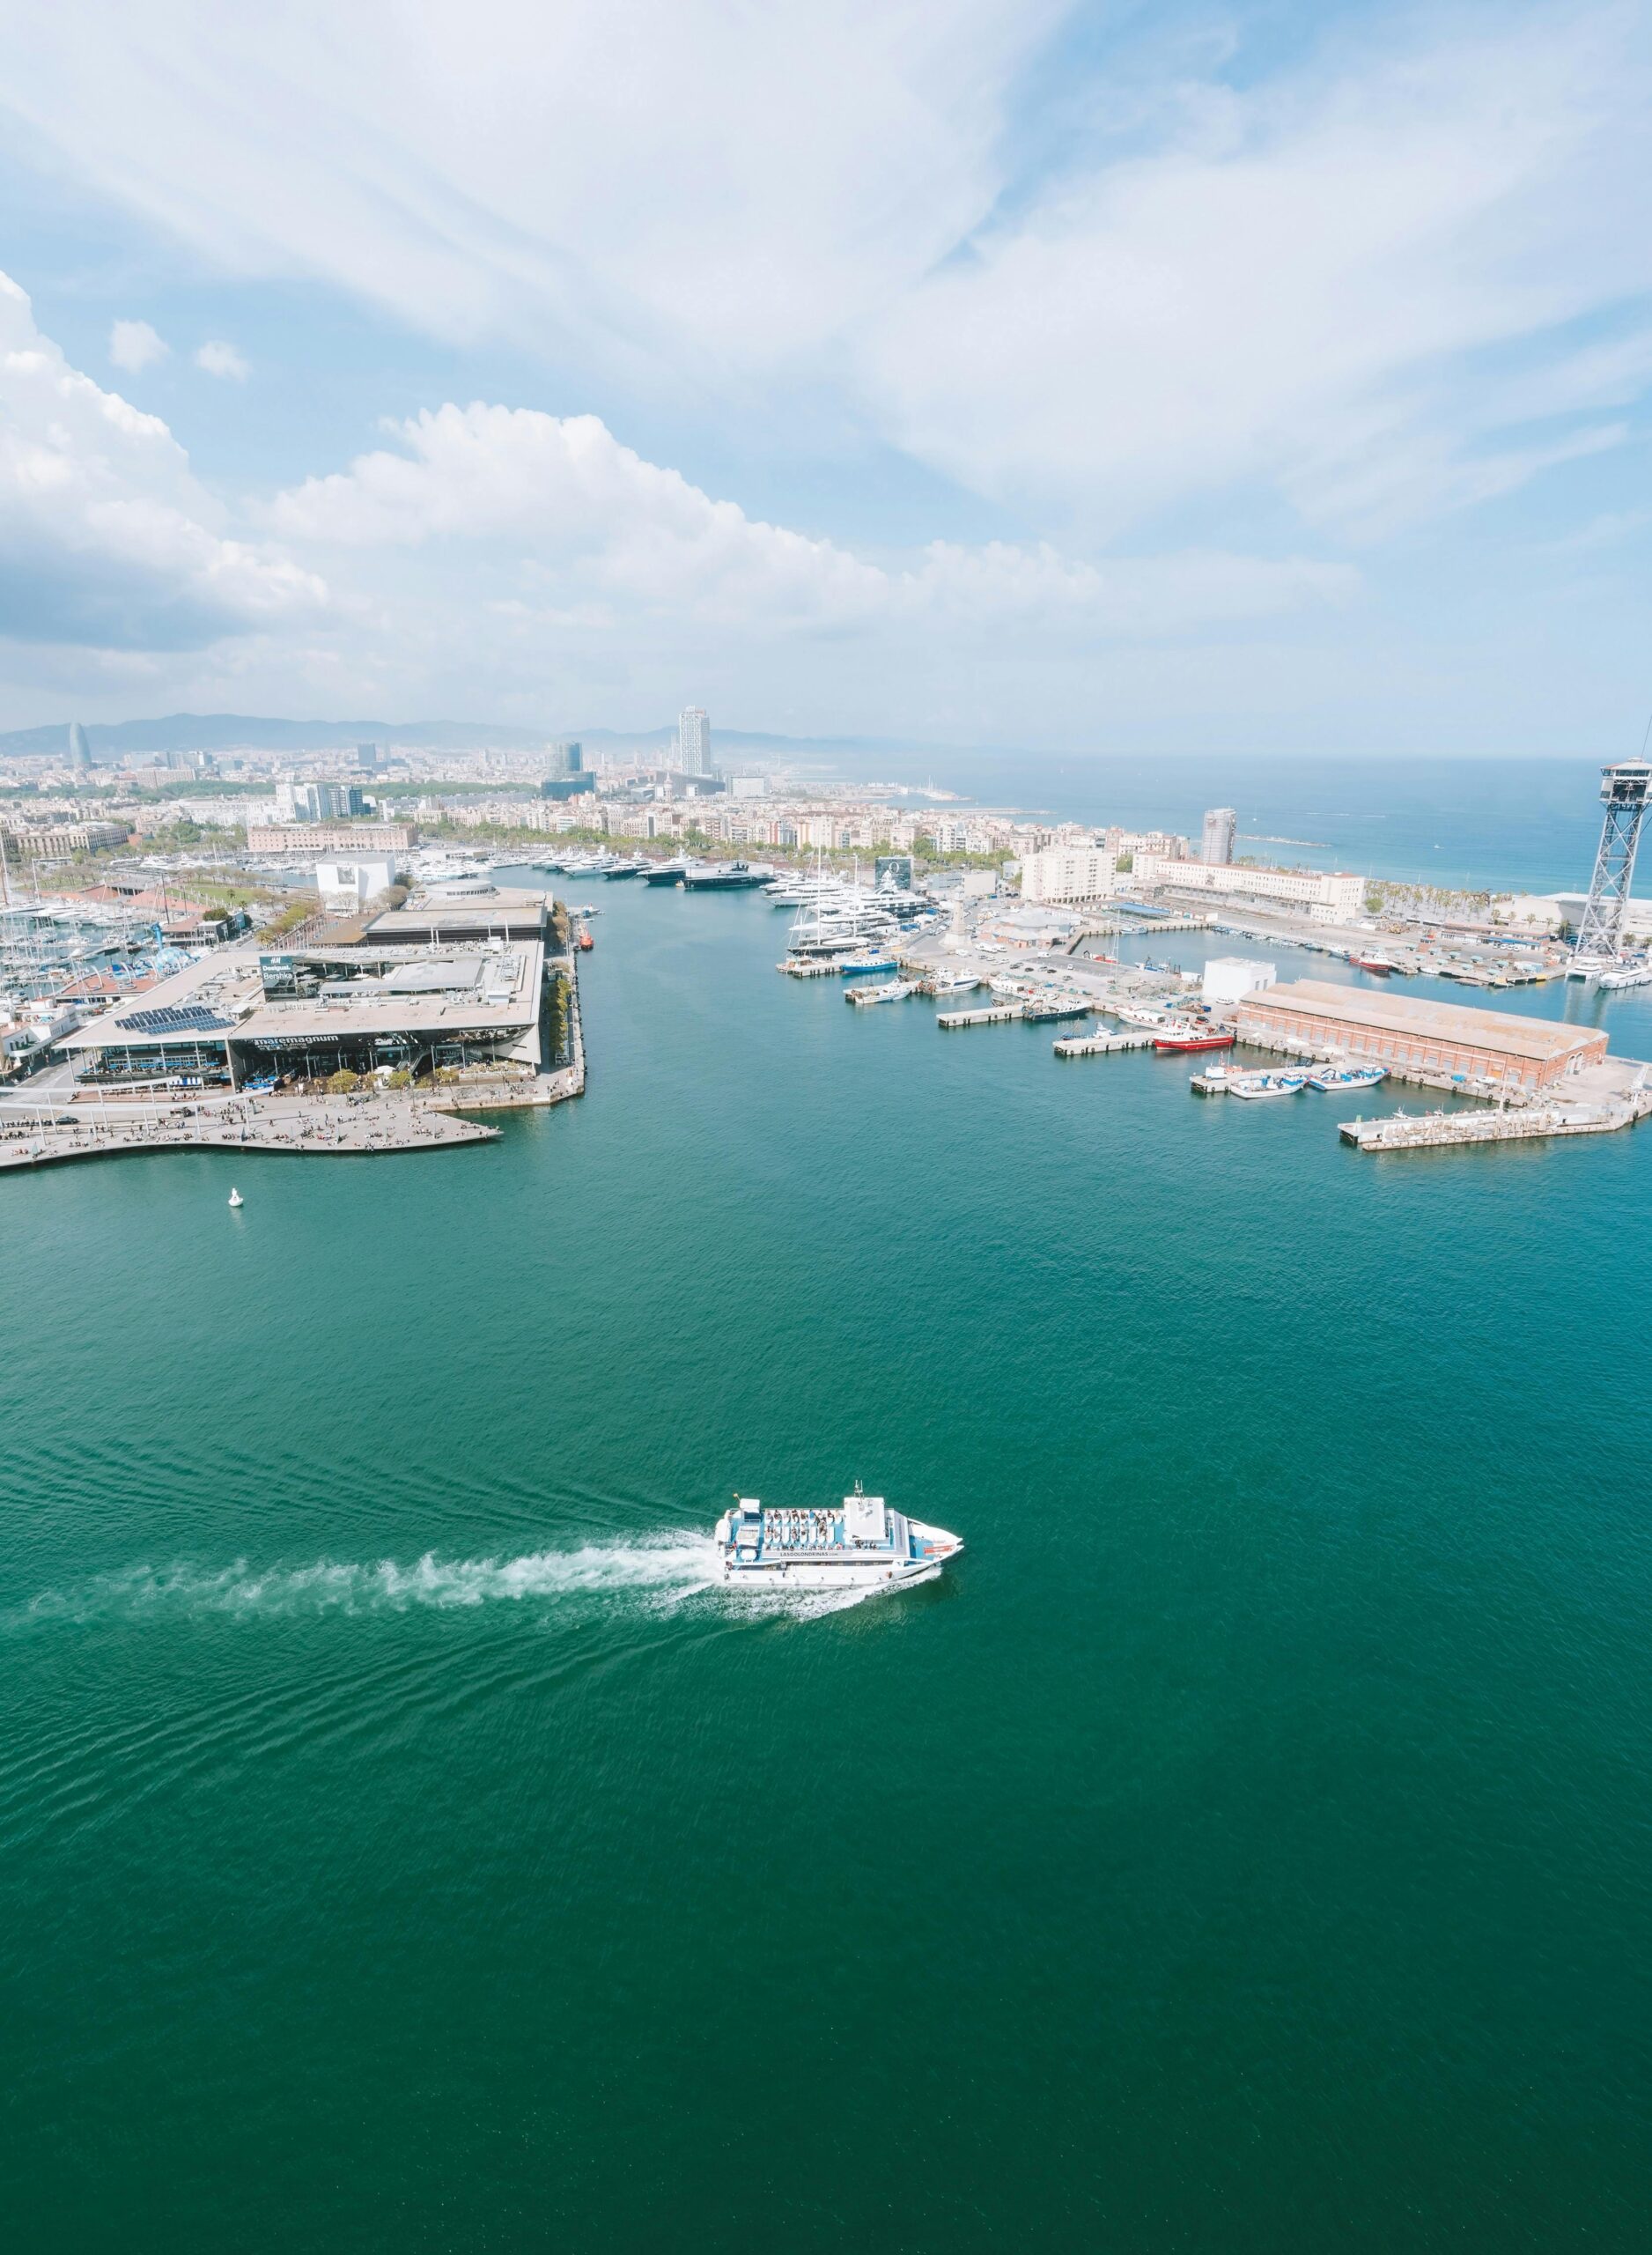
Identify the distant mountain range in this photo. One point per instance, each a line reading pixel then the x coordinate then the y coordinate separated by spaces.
pixel 222 732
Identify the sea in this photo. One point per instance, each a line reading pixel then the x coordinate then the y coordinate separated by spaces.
pixel 1243 1848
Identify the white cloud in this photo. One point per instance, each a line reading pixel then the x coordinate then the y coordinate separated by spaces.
pixel 220 360
pixel 732 186
pixel 601 536
pixel 107 540
pixel 133 346
pixel 1299 291
pixel 1292 290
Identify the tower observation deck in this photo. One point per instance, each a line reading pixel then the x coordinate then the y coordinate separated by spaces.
pixel 1623 791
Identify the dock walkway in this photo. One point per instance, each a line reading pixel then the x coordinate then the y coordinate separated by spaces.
pixel 1100 1045
pixel 948 1020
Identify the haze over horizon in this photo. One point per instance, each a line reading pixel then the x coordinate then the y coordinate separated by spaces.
pixel 1260 378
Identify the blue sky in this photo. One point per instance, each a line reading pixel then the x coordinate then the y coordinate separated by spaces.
pixel 1106 378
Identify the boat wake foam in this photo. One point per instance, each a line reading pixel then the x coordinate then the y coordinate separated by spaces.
pixel 673 1566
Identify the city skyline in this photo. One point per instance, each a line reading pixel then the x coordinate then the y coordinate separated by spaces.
pixel 1009 378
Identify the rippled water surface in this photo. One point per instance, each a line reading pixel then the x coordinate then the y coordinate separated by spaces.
pixel 404 1845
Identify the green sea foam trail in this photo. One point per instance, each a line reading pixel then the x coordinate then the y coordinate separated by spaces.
pixel 677 1563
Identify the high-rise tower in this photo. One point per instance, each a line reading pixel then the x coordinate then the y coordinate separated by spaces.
pixel 1623 791
pixel 694 741
pixel 1221 826
pixel 79 749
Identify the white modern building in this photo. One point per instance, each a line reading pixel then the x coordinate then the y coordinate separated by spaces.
pixel 1068 873
pixel 1227 977
pixel 1328 896
pixel 346 886
pixel 1221 826
pixel 749 786
pixel 694 741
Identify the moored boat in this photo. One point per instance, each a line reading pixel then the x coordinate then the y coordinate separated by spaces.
pixel 1267 1085
pixel 1340 1080
pixel 1192 1036
pixel 860 1544
pixel 723 876
pixel 892 990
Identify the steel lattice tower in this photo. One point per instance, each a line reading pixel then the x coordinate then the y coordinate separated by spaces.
pixel 1623 791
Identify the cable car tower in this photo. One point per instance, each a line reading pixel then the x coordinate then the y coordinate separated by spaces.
pixel 1624 790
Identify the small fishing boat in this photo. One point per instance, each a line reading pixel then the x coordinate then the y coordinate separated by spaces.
pixel 1332 1080
pixel 1266 1084
pixel 236 1199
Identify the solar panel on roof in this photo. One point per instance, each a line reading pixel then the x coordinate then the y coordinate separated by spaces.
pixel 188 1017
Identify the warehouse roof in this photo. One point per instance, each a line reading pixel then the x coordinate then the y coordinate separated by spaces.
pixel 1425 1021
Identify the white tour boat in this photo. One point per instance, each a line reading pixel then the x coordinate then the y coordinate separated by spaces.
pixel 860 1544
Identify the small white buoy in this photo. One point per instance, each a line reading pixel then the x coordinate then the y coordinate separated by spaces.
pixel 236 1199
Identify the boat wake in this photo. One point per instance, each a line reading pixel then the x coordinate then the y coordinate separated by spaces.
pixel 673 1566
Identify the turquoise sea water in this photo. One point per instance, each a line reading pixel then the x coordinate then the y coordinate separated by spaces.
pixel 1245 1848
pixel 1522 824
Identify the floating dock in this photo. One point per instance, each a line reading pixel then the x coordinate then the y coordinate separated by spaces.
pixel 1100 1045
pixel 947 1020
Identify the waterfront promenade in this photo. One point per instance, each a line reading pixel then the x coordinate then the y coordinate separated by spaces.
pixel 45 1135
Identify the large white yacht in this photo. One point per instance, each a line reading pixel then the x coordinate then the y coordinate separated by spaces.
pixel 839 930
pixel 860 1544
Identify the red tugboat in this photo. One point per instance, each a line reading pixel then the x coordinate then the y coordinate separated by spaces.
pixel 1192 1036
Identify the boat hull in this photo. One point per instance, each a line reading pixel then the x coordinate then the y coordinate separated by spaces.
pixel 804 1573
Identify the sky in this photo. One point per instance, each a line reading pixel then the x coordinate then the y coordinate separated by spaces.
pixel 1123 379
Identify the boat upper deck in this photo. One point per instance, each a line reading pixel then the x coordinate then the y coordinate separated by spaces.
pixel 862 1528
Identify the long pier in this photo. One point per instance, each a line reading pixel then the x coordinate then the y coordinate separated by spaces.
pixel 1403 1131
pixel 1100 1045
